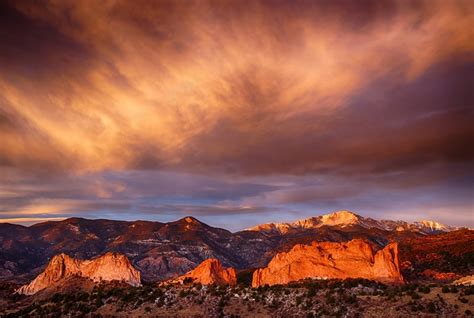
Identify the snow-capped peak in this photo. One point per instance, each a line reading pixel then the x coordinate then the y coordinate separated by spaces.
pixel 432 225
pixel 347 218
pixel 340 218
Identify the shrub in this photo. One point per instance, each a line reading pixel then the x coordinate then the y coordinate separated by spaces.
pixel 415 296
pixel 469 291
pixel 311 292
pixel 463 300
pixel 431 307
pixel 424 289
pixel 299 299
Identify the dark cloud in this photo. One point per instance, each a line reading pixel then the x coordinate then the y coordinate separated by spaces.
pixel 211 106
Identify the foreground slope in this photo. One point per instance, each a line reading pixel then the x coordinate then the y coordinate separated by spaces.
pixel 326 260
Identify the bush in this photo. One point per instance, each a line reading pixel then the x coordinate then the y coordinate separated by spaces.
pixel 445 289
pixel 463 300
pixel 415 296
pixel 469 291
pixel 299 299
pixel 424 289
pixel 431 307
pixel 311 291
pixel 468 312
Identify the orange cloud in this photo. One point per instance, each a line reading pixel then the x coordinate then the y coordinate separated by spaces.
pixel 189 85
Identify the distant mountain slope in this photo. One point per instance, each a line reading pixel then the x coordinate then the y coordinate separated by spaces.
pixel 158 250
pixel 346 219
pixel 442 253
pixel 166 250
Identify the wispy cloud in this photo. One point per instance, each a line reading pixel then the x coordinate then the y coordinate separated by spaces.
pixel 236 101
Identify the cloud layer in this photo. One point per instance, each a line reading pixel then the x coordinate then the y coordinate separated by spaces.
pixel 246 93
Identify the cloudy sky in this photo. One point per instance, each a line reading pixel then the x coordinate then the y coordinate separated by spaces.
pixel 236 112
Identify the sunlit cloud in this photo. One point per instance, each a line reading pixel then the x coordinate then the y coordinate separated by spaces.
pixel 262 104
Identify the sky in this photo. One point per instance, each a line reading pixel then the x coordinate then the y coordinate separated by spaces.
pixel 236 112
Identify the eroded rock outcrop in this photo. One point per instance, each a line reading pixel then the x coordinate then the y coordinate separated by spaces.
pixel 108 267
pixel 209 272
pixel 325 260
pixel 466 281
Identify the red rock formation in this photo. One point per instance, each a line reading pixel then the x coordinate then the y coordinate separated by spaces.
pixel 442 276
pixel 108 267
pixel 210 272
pixel 466 281
pixel 354 259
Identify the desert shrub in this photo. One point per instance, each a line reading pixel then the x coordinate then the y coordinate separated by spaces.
pixel 424 289
pixel 469 290
pixel 445 289
pixel 57 298
pixel 468 312
pixel 463 300
pixel 312 291
pixel 431 307
pixel 299 299
pixel 415 296
pixel 222 302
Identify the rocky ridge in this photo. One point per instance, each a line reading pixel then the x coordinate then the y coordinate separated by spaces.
pixel 348 218
pixel 209 272
pixel 327 260
pixel 109 267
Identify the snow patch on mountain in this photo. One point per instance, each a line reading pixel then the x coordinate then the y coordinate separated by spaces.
pixel 348 218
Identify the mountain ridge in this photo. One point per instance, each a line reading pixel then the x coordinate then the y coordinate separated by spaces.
pixel 330 219
pixel 166 250
pixel 347 218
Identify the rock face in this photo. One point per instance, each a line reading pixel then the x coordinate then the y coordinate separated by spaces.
pixel 210 272
pixel 466 281
pixel 354 259
pixel 110 266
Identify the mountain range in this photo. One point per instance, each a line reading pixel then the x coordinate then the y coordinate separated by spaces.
pixel 166 250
